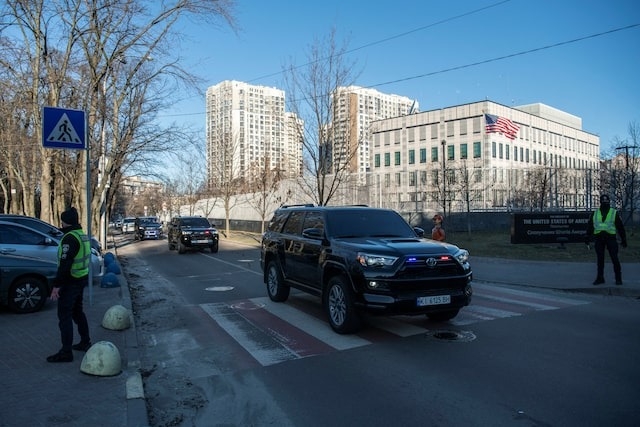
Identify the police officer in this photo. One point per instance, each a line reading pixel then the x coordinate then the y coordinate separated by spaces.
pixel 74 256
pixel 603 226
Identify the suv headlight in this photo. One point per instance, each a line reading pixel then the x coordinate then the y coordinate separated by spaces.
pixel 462 256
pixel 373 260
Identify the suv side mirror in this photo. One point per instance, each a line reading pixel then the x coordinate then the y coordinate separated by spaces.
pixel 419 231
pixel 313 233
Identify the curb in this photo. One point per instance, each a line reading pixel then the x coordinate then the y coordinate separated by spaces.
pixel 134 390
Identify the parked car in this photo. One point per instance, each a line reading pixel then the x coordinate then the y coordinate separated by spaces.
pixel 147 227
pixel 192 232
pixel 17 239
pixel 44 227
pixel 129 225
pixel 25 282
pixel 360 260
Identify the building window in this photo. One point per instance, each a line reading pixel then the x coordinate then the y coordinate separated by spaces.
pixel 506 151
pixel 434 154
pixel 423 155
pixel 477 149
pixel 412 179
pixel 463 151
pixel 493 149
pixel 450 129
pixel 387 180
pixel 387 159
pixel 423 177
pixel 376 160
pixel 398 179
pixel 412 157
pixel 500 150
pixel 451 154
pixel 434 131
pixel 396 157
pixel 527 155
pixel 463 127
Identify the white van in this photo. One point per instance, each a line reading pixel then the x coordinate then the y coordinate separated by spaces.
pixel 128 225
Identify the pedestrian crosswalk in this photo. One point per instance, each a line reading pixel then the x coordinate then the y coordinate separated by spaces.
pixel 273 333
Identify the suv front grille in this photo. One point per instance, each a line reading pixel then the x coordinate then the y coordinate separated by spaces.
pixel 429 267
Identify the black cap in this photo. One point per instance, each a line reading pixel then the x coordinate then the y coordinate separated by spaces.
pixel 70 216
pixel 605 199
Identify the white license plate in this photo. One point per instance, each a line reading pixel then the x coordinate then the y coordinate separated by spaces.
pixel 434 300
pixel 200 241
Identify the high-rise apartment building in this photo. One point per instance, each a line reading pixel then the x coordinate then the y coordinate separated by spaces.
pixel 483 155
pixel 248 130
pixel 354 109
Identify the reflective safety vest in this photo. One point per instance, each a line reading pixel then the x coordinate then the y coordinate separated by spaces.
pixel 608 225
pixel 80 266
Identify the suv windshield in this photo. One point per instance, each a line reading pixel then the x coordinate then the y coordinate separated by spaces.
pixel 195 222
pixel 367 223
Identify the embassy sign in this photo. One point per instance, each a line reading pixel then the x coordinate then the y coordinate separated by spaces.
pixel 551 227
pixel 63 128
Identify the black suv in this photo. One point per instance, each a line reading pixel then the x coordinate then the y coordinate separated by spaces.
pixel 192 232
pixel 360 259
pixel 147 227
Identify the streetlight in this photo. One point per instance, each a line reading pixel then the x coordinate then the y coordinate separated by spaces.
pixel 444 181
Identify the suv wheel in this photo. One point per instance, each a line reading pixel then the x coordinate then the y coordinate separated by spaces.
pixel 443 316
pixel 338 302
pixel 276 288
pixel 172 247
pixel 181 248
pixel 27 295
pixel 214 248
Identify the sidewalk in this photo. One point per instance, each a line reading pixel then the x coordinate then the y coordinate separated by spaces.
pixel 567 276
pixel 38 393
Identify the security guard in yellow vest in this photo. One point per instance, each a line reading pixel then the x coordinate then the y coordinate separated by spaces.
pixel 74 257
pixel 603 226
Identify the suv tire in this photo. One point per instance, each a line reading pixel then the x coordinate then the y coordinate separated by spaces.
pixel 181 248
pixel 214 248
pixel 276 288
pixel 343 317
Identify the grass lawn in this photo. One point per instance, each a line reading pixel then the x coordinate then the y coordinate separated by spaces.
pixel 498 245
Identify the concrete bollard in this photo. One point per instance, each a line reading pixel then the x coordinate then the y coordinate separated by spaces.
pixel 116 318
pixel 102 359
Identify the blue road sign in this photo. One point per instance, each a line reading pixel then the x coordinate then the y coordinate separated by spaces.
pixel 63 128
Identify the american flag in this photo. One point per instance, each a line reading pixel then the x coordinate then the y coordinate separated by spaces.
pixel 501 125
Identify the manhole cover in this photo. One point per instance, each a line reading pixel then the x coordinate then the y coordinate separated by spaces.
pixel 219 288
pixel 464 336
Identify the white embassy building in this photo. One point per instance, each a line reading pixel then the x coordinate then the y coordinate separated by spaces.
pixel 459 159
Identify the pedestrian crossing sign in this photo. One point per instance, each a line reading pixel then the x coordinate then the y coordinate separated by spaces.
pixel 63 128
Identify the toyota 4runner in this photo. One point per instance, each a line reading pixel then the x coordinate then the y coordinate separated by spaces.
pixel 192 232
pixel 359 259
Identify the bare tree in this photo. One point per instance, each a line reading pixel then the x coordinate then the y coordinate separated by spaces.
pixel 311 89
pixel 624 171
pixel 265 181
pixel 226 178
pixel 116 60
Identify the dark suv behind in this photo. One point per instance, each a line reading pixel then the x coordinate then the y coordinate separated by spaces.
pixel 192 232
pixel 359 259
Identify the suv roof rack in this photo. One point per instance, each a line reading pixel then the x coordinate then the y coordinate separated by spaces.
pixel 303 205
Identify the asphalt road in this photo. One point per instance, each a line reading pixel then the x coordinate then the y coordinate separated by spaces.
pixel 216 351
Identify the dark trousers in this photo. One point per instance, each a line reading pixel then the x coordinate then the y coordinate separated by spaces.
pixel 70 312
pixel 611 245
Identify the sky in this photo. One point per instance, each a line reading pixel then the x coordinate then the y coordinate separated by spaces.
pixel 573 55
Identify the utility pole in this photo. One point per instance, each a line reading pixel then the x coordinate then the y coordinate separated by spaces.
pixel 444 181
